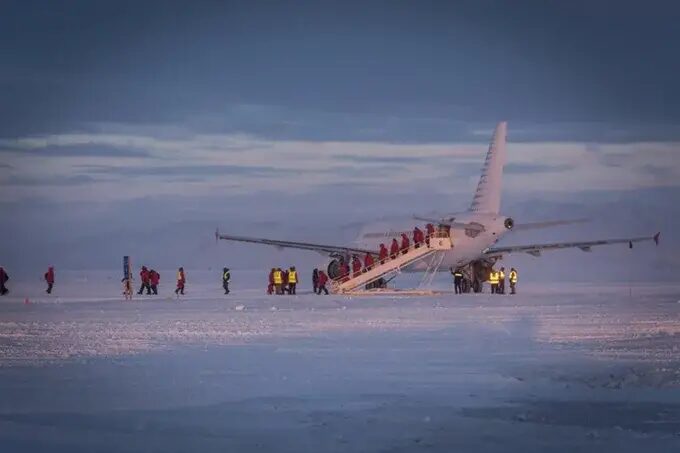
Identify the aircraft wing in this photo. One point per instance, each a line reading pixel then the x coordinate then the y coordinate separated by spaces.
pixel 321 248
pixel 536 249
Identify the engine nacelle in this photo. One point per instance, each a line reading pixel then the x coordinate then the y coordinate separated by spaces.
pixel 509 223
pixel 333 269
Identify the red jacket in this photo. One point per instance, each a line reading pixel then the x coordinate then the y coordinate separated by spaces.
pixel 144 275
pixel 418 235
pixel 356 266
pixel 181 278
pixel 430 229
pixel 323 278
pixel 394 248
pixel 383 252
pixel 405 243
pixel 49 275
pixel 368 260
pixel 154 278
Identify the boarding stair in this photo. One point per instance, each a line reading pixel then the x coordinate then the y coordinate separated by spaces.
pixel 435 246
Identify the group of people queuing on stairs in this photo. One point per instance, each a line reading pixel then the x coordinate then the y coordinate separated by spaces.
pixel 283 281
pixel 397 248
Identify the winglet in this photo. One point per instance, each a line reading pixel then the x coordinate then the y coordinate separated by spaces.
pixel 656 238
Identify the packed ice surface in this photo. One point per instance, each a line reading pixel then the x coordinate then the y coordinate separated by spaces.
pixel 554 368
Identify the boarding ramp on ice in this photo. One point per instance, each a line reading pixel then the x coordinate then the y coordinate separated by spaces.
pixel 438 244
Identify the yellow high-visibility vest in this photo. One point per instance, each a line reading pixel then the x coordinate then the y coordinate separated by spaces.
pixel 501 275
pixel 278 278
pixel 457 274
pixel 513 277
pixel 493 278
pixel 292 277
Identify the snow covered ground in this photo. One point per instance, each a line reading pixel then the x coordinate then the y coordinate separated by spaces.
pixel 555 368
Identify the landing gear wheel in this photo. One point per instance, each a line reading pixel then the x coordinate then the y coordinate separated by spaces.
pixel 477 286
pixel 465 285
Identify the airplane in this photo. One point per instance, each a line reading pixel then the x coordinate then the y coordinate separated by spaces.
pixel 474 233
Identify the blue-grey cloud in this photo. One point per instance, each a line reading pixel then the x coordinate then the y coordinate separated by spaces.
pixel 407 71
pixel 179 170
pixel 33 181
pixel 89 150
pixel 367 159
pixel 523 169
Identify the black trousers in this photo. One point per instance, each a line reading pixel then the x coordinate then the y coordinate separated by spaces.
pixel 225 285
pixel 322 288
pixel 3 290
pixel 49 288
pixel 154 289
pixel 291 288
pixel 501 287
pixel 513 288
pixel 143 287
pixel 180 290
pixel 457 286
pixel 494 288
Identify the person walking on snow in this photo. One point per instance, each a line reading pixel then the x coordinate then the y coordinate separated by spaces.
pixel 315 279
pixel 181 281
pixel 226 276
pixel 270 287
pixel 154 280
pixel 323 278
pixel 3 280
pixel 513 280
pixel 144 276
pixel 49 278
pixel 457 281
pixel 292 280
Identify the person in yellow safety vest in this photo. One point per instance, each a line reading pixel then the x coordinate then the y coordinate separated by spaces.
pixel 292 280
pixel 501 281
pixel 493 279
pixel 513 280
pixel 278 281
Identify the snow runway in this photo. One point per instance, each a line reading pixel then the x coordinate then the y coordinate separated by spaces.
pixel 556 368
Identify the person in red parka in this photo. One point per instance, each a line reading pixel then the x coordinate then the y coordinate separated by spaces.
pixel 181 281
pixel 49 278
pixel 356 266
pixel 405 243
pixel 344 272
pixel 144 277
pixel 382 255
pixel 394 249
pixel 154 280
pixel 323 279
pixel 418 237
pixel 368 261
pixel 430 231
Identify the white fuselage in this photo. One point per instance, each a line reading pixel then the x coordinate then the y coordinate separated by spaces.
pixel 468 245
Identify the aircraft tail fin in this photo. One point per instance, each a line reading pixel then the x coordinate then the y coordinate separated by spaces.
pixel 488 194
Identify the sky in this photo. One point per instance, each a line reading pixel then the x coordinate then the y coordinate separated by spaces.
pixel 139 127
